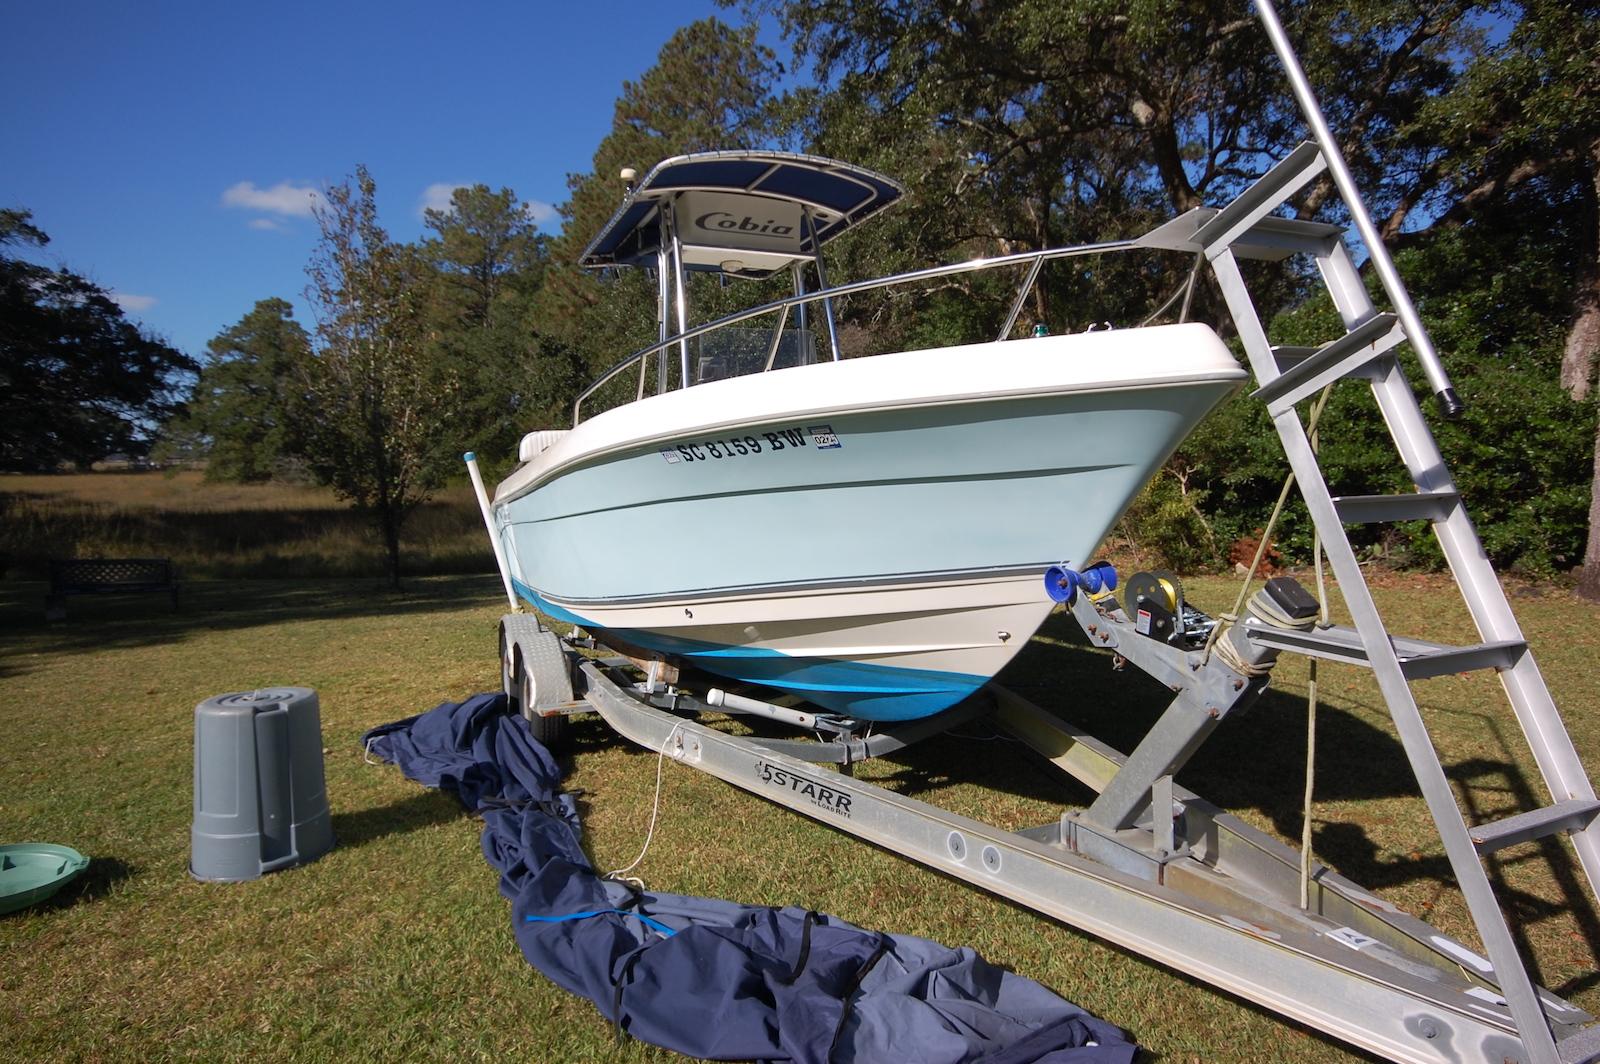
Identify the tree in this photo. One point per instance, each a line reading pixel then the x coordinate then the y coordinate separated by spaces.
pixel 377 417
pixel 1068 121
pixel 489 262
pixel 78 381
pixel 1523 123
pixel 1031 123
pixel 240 406
pixel 486 247
pixel 707 91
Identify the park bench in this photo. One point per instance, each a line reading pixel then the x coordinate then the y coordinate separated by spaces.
pixel 108 576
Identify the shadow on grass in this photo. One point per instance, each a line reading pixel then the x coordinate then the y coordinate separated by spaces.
pixel 122 621
pixel 1480 776
pixel 423 809
pixel 96 882
pixel 1256 761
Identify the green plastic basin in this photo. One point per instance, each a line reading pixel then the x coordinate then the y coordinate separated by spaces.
pixel 32 871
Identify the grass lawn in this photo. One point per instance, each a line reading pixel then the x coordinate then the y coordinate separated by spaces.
pixel 397 946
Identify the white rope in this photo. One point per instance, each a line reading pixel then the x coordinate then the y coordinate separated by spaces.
pixel 655 808
pixel 1311 712
pixel 1227 620
pixel 982 738
pixel 1225 651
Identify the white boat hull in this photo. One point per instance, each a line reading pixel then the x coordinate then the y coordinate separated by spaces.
pixel 869 534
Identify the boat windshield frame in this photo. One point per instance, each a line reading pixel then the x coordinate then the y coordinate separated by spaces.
pixel 789 205
pixel 1035 260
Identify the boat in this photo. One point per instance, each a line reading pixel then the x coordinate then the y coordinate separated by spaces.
pixel 867 533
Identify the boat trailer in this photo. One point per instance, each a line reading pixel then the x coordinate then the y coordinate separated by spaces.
pixel 1147 865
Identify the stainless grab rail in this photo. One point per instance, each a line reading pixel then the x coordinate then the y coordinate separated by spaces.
pixel 970 266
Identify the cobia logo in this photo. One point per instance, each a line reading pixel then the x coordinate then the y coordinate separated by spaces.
pixel 728 223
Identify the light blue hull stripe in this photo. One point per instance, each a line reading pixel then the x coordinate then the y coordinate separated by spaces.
pixel 856 689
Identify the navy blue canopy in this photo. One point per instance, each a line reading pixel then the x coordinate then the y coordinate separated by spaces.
pixel 714 979
pixel 838 196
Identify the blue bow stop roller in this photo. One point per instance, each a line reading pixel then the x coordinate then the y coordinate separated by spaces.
pixel 1062 582
pixel 259 799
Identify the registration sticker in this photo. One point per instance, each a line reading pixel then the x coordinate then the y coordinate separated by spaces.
pixel 1349 936
pixel 823 438
pixel 671 455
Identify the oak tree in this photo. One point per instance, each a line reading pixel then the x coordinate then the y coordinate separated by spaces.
pixel 375 416
pixel 78 381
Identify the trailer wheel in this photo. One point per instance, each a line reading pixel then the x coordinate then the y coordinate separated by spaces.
pixel 533 673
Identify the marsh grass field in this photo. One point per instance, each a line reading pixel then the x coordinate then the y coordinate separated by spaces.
pixel 225 531
pixel 397 945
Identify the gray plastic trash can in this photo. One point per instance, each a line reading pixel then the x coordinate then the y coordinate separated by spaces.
pixel 259 799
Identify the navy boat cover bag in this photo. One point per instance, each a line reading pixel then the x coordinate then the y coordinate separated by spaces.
pixel 714 979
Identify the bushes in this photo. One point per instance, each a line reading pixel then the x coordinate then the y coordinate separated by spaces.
pixel 1165 521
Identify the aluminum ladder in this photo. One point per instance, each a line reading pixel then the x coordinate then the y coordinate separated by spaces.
pixel 1249 228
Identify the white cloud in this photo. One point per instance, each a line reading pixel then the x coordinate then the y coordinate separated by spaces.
pixel 295 201
pixel 436 197
pixel 132 303
pixel 265 223
pixel 543 213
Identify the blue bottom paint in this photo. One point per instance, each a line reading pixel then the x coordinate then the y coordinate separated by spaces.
pixel 853 688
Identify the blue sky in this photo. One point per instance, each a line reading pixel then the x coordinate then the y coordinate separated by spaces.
pixel 168 148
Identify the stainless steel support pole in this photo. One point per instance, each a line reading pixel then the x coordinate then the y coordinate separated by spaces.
pixel 488 523
pixel 681 279
pixel 777 338
pixel 822 283
pixel 1432 366
pixel 802 314
pixel 663 290
pixel 1022 297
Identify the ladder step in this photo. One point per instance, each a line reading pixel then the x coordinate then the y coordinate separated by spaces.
pixel 1350 352
pixel 1449 660
pixel 1256 203
pixel 1419 658
pixel 1272 239
pixel 1409 506
pixel 1573 814
pixel 1288 356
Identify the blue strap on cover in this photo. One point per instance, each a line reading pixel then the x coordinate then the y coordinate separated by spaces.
pixel 656 925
